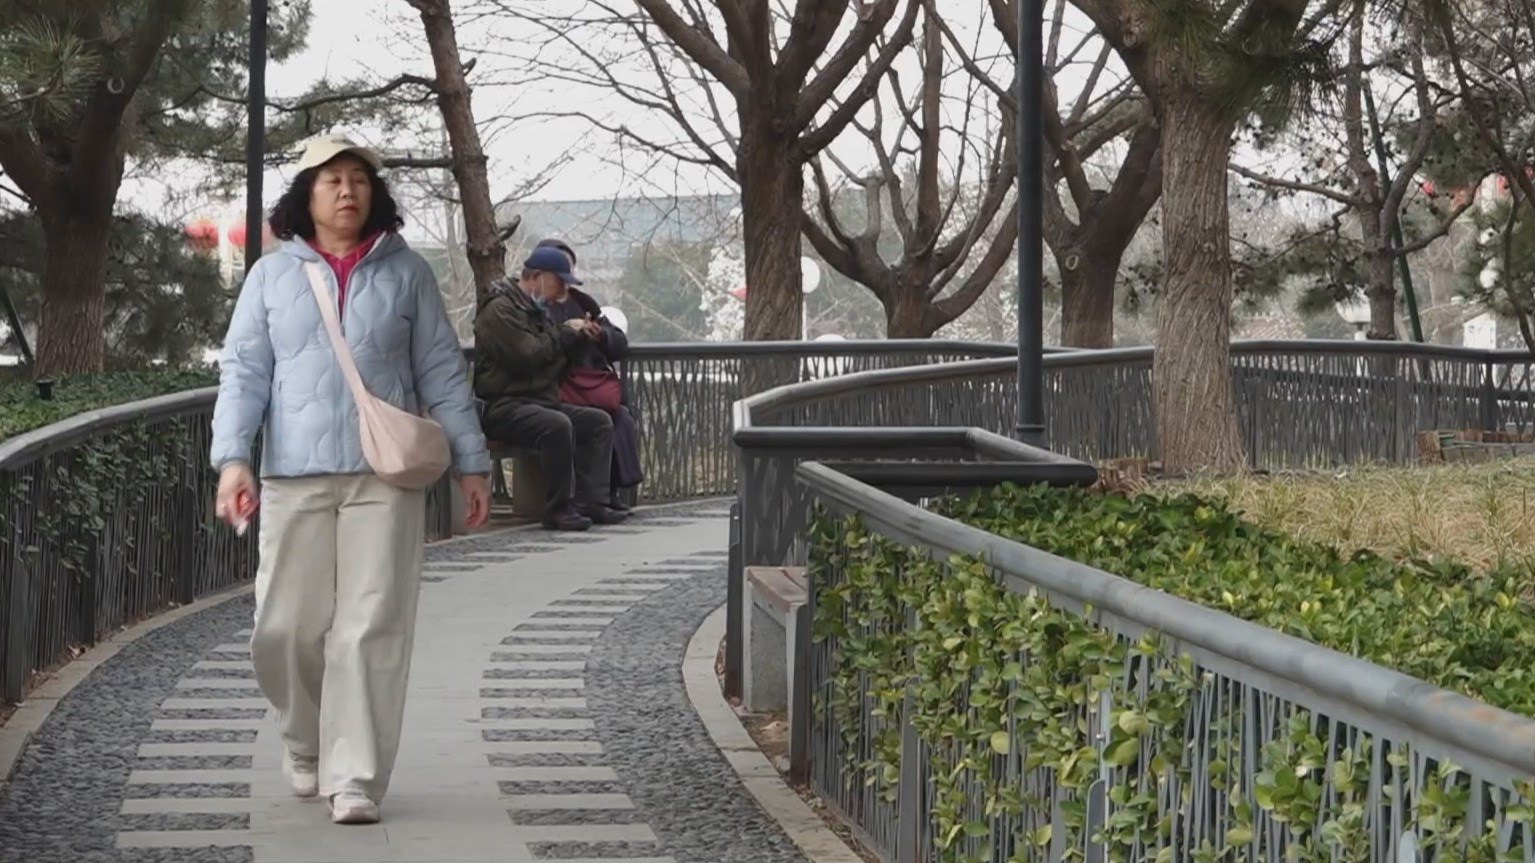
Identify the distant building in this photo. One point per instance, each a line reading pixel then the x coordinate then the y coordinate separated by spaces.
pixel 606 232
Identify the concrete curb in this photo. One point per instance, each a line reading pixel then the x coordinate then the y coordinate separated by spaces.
pixel 781 803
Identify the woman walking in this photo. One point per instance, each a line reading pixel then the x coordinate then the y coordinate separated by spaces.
pixel 340 547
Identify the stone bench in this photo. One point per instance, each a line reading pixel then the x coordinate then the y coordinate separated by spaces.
pixel 528 492
pixel 777 613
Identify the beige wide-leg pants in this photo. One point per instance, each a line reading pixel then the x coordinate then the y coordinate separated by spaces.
pixel 336 592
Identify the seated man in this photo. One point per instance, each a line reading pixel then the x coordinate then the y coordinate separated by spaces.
pixel 610 348
pixel 522 356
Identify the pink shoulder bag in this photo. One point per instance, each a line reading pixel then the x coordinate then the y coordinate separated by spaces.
pixel 404 450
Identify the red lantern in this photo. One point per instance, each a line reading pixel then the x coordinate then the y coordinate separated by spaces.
pixel 202 235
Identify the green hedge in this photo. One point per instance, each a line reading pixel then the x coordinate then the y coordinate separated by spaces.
pixel 22 411
pixel 977 659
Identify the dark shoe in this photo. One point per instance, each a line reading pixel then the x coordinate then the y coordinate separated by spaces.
pixel 618 506
pixel 604 515
pixel 568 521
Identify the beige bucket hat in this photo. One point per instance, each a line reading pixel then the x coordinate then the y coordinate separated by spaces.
pixel 322 148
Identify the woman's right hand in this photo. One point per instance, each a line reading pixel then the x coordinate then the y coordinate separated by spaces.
pixel 236 500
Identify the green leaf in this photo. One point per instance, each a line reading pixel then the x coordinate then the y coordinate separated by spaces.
pixel 1001 743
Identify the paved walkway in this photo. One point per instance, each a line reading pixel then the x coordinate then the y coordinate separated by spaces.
pixel 547 721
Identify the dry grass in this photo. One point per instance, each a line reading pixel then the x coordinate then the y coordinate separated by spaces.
pixel 1479 514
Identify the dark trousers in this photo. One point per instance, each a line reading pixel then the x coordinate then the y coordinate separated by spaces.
pixel 574 446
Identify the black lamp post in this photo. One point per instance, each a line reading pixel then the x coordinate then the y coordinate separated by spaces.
pixel 1031 237
pixel 255 136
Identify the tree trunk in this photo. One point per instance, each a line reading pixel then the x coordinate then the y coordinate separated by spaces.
pixel 485 248
pixel 772 192
pixel 1382 294
pixel 71 337
pixel 1087 303
pixel 908 315
pixel 1191 374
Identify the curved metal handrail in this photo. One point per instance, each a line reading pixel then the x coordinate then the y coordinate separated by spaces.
pixel 81 427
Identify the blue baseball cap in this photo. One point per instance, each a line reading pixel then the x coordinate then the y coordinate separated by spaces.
pixel 551 260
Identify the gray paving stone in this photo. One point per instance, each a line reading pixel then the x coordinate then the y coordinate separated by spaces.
pixel 432 579
pixel 227 656
pixel 594 850
pixel 450 567
pixel 528 656
pixel 568 817
pixel 513 692
pixel 61 803
pixel 576 603
pixel 545 626
pixel 186 821
pixel 207 735
pixel 194 762
pixel 139 791
pixel 692 562
pixel 238 854
pixel 534 713
pixel 551 638
pixel 711 554
pixel 545 759
pixel 517 735
pixel 510 788
pixel 228 673
pixel 610 591
pixel 567 615
pixel 570 538
pixel 212 713
pixel 230 692
pixel 529 673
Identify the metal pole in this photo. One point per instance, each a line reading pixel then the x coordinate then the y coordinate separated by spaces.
pixel 1031 245
pixel 255 136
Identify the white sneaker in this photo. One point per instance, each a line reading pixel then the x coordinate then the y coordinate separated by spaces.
pixel 303 772
pixel 351 806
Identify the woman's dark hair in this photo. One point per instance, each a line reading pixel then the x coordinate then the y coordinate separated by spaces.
pixel 291 218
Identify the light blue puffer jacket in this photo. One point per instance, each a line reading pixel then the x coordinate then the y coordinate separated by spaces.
pixel 278 371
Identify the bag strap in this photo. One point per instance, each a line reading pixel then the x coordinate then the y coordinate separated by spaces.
pixel 333 327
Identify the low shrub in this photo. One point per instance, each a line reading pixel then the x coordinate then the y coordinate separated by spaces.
pixel 1438 620
pixel 1026 708
pixel 22 411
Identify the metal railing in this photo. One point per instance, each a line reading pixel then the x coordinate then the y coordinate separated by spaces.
pixel 1252 682
pixel 1413 749
pixel 107 517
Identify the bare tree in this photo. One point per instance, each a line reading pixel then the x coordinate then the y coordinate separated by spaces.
pixel 486 240
pixel 1089 231
pixel 941 218
pixel 753 93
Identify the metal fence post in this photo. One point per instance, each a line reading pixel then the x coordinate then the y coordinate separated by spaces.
pixel 909 814
pixel 735 600
pixel 1489 399
pixel 800 719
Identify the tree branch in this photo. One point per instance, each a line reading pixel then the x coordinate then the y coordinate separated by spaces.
pixel 819 91
pixel 699 47
pixel 1299 186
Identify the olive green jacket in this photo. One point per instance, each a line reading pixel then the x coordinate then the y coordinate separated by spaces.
pixel 520 352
